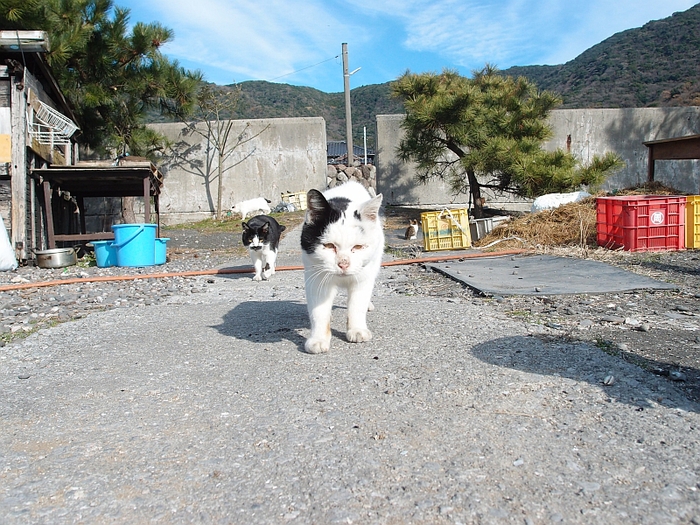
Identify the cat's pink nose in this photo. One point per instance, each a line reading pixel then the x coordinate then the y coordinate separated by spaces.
pixel 343 263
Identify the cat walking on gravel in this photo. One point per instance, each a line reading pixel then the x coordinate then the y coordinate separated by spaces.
pixel 342 244
pixel 261 235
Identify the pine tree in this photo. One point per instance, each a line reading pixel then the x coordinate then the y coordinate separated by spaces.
pixel 110 74
pixel 487 132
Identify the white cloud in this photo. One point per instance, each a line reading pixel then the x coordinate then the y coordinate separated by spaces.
pixel 252 39
pixel 510 32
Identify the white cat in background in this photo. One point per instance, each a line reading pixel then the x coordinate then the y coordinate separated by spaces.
pixel 342 244
pixel 251 205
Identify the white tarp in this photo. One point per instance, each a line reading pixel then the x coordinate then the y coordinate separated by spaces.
pixel 554 200
pixel 7 254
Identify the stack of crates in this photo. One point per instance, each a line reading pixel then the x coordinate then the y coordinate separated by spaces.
pixel 641 222
pixel 446 230
pixel 298 199
pixel 692 221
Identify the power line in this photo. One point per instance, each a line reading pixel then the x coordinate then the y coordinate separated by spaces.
pixel 304 68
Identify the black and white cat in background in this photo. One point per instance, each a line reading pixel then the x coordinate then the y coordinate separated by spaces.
pixel 342 244
pixel 261 235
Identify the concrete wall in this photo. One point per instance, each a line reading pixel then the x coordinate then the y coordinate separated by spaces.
pixel 396 179
pixel 286 155
pixel 593 131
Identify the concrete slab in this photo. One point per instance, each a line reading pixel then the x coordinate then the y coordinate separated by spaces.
pixel 544 275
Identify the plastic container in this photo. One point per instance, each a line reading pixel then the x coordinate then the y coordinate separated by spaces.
pixel 298 199
pixel 446 230
pixel 135 244
pixel 641 222
pixel 692 221
pixel 480 228
pixel 161 253
pixel 105 253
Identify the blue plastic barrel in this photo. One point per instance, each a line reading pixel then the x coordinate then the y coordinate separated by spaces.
pixel 105 253
pixel 161 249
pixel 135 244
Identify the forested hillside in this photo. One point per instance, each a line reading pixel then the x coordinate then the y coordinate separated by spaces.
pixel 654 65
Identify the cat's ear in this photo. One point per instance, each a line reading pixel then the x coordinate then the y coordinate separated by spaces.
pixel 369 211
pixel 266 228
pixel 245 226
pixel 316 206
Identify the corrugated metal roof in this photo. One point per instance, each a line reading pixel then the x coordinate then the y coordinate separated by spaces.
pixel 339 148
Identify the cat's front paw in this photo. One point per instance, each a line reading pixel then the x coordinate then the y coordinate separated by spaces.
pixel 358 335
pixel 316 346
pixel 257 277
pixel 267 274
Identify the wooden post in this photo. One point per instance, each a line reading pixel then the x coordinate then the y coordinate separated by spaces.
pixel 650 165
pixel 18 166
pixel 147 199
pixel 48 210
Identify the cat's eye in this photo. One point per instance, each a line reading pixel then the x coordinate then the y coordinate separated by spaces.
pixel 358 247
pixel 329 246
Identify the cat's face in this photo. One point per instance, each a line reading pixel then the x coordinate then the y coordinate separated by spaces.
pixel 341 236
pixel 255 236
pixel 345 247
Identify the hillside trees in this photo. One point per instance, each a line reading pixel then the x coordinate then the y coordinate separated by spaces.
pixel 110 72
pixel 487 132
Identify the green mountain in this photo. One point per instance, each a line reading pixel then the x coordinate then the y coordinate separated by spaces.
pixel 261 99
pixel 654 65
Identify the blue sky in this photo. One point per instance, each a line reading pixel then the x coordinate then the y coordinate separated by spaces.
pixel 299 42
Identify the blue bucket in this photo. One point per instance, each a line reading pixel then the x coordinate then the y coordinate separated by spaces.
pixel 105 254
pixel 161 249
pixel 135 244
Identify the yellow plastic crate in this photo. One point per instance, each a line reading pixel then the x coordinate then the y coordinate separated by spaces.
pixel 692 221
pixel 298 199
pixel 446 230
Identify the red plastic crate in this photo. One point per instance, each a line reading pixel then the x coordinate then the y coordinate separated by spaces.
pixel 639 223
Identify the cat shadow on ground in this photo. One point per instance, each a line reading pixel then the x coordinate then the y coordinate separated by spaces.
pixel 268 322
pixel 241 271
pixel 583 362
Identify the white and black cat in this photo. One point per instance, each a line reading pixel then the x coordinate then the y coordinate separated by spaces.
pixel 342 243
pixel 412 230
pixel 261 235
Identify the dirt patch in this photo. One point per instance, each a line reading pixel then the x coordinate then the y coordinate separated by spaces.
pixel 218 237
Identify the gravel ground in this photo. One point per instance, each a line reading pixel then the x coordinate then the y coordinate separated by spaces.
pixel 187 399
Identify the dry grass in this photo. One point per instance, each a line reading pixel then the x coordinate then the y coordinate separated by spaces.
pixel 569 225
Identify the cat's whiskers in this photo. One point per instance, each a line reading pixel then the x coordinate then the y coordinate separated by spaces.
pixel 317 270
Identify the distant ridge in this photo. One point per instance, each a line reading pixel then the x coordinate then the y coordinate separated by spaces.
pixel 655 65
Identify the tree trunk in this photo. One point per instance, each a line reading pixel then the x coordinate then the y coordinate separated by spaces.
pixel 128 215
pixel 477 199
pixel 221 186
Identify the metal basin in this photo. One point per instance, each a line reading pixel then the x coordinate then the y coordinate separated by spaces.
pixel 56 258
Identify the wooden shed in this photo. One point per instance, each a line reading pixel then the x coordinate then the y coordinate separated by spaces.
pixel 42 183
pixel 678 148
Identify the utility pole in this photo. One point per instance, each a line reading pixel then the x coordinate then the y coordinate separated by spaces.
pixel 348 111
